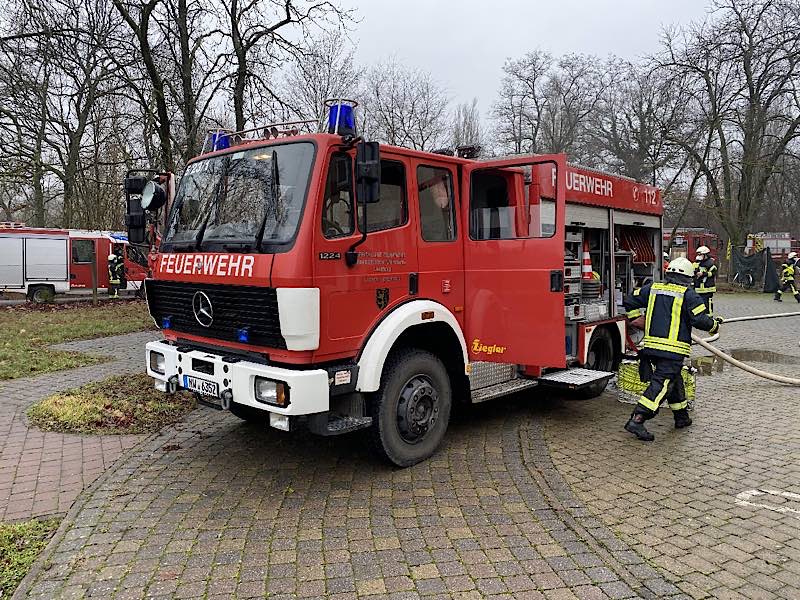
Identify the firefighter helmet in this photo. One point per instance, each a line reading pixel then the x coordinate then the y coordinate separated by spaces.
pixel 681 266
pixel 703 250
pixel 112 257
pixel 792 255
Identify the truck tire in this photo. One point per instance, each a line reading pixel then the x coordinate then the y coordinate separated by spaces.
pixel 600 357
pixel 249 414
pixel 41 294
pixel 411 410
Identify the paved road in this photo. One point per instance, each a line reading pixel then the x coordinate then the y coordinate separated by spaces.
pixel 41 474
pixel 535 497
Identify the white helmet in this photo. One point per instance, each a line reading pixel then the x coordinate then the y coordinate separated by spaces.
pixel 666 256
pixel 792 255
pixel 703 250
pixel 681 266
pixel 112 257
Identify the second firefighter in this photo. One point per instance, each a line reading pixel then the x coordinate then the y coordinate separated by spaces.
pixel 671 309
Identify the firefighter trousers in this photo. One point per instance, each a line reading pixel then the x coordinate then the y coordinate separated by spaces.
pixel 708 300
pixel 666 382
pixel 113 288
pixel 787 286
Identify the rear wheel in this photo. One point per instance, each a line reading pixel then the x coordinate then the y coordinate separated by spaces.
pixel 600 357
pixel 411 409
pixel 41 294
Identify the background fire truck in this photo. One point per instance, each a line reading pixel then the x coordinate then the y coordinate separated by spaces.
pixel 319 281
pixel 41 262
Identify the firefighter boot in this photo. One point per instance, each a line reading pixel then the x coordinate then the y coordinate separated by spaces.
pixel 682 418
pixel 777 297
pixel 635 425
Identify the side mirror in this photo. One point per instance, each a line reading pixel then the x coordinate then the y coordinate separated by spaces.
pixel 368 172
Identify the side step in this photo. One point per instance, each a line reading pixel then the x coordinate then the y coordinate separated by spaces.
pixel 325 424
pixel 502 389
pixel 574 379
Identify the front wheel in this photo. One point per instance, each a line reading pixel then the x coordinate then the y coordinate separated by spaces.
pixel 411 409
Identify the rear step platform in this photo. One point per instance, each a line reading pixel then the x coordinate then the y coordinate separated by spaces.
pixel 574 379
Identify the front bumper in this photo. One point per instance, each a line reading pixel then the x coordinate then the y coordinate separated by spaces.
pixel 309 391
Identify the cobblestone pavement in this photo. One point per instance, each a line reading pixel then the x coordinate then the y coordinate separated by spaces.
pixel 533 497
pixel 42 473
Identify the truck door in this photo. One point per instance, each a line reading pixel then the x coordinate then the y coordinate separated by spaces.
pixel 355 298
pixel 439 248
pixel 514 260
pixel 81 261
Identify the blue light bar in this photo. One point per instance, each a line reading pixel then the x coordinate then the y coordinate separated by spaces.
pixel 344 114
pixel 166 322
pixel 243 335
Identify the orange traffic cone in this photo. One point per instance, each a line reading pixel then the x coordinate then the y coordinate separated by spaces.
pixel 586 267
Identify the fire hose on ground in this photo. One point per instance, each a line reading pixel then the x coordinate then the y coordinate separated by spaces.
pixel 737 363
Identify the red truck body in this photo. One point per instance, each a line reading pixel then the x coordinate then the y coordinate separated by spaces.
pixel 474 262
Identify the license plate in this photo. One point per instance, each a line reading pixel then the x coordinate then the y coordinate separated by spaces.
pixel 201 386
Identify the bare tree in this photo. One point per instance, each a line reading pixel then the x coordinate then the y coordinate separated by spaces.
pixel 405 107
pixel 467 129
pixel 327 70
pixel 742 69
pixel 545 105
pixel 265 32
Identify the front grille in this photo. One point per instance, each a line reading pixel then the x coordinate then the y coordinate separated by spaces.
pixel 235 307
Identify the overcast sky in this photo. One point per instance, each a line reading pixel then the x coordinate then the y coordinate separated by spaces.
pixel 464 43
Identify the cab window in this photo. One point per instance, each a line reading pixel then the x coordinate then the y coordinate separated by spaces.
pixel 437 217
pixel 337 210
pixel 82 251
pixel 502 207
pixel 392 208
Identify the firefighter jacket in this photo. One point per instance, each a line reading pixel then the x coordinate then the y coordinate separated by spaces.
pixel 671 310
pixel 705 276
pixel 787 271
pixel 116 270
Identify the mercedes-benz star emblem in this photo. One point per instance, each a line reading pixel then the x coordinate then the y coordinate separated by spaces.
pixel 203 311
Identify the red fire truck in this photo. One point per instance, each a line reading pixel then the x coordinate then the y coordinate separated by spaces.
pixel 41 262
pixel 320 281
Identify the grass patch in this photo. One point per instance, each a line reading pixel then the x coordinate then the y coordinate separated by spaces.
pixel 27 331
pixel 120 404
pixel 20 544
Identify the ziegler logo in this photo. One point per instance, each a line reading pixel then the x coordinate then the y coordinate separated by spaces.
pixel 479 348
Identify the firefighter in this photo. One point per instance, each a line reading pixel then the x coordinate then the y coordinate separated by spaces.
pixel 672 308
pixel 788 270
pixel 115 267
pixel 705 277
pixel 665 266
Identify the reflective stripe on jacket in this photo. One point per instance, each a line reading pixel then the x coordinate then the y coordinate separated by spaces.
pixel 671 310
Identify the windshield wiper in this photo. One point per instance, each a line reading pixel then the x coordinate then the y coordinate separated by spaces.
pixel 275 192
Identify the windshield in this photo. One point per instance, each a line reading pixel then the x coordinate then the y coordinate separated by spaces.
pixel 249 198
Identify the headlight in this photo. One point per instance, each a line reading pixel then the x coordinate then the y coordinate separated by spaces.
pixel 157 363
pixel 270 392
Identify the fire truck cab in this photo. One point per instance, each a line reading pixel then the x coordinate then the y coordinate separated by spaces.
pixel 317 281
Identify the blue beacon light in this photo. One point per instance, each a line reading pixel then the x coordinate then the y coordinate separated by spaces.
pixel 166 322
pixel 243 335
pixel 345 115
